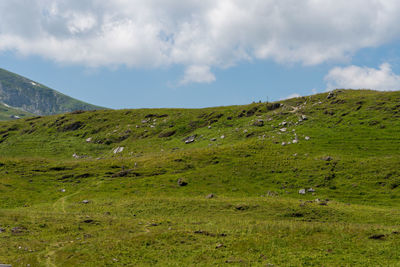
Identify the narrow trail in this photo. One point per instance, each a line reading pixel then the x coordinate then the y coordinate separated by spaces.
pixel 51 250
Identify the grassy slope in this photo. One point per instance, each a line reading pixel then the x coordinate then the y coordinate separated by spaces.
pixel 7 112
pixel 257 216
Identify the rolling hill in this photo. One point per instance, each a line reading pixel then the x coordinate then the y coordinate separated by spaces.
pixel 32 97
pixel 308 181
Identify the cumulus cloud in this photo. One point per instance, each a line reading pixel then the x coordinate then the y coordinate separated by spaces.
pixel 198 74
pixel 198 35
pixel 355 77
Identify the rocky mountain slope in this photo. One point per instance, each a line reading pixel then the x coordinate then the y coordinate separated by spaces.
pixel 27 95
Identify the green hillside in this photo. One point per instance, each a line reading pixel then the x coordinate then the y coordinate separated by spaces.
pixel 8 113
pixel 32 97
pixel 309 181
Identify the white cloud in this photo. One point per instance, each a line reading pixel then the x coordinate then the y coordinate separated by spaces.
pixel 197 74
pixel 207 33
pixel 356 77
pixel 294 95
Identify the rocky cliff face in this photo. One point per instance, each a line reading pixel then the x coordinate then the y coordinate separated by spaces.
pixel 20 92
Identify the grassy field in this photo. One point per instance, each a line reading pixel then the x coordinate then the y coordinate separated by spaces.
pixel 100 208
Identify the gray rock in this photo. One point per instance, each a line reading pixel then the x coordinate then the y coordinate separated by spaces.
pixel 118 150
pixel 330 95
pixel 304 117
pixel 210 196
pixel 2 230
pixel 259 123
pixel 190 139
pixel 182 182
pixel 213 139
pixel 328 158
pixel 88 140
pixel 302 191
pixel 311 190
pixel 85 201
pixel 307 138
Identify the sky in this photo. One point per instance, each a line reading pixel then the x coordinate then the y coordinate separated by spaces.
pixel 191 53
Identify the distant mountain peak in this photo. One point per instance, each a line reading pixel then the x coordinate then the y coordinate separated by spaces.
pixel 22 93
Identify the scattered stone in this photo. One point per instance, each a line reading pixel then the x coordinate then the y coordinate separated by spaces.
pixel 182 182
pixel 330 95
pixel 307 138
pixel 85 201
pixel 283 130
pixel 328 158
pixel 18 230
pixel 304 117
pixel 302 191
pixel 222 136
pixel 258 123
pixel 62 190
pixel 283 143
pixel 88 140
pixel 2 230
pixel 118 150
pixel 209 127
pixel 190 139
pixel 88 221
pixel 295 141
pixel 15 117
pixel 219 245
pixel 210 196
pixel 311 190
pixel 213 139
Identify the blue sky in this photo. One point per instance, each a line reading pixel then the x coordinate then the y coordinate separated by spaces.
pixel 134 54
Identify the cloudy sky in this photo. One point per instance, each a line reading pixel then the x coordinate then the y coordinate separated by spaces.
pixel 192 53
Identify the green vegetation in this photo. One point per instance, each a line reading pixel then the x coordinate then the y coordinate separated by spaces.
pixel 32 97
pixel 9 113
pixel 137 214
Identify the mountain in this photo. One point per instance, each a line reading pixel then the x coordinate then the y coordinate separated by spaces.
pixel 30 96
pixel 308 181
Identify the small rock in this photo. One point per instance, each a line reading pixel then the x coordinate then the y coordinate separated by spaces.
pixel 62 190
pixel 304 117
pixel 258 123
pixel 222 136
pixel 2 230
pixel 118 150
pixel 182 182
pixel 330 95
pixel 210 196
pixel 18 230
pixel 88 140
pixel 219 245
pixel 307 138
pixel 283 143
pixel 311 190
pixel 295 141
pixel 209 127
pixel 190 139
pixel 302 191
pixel 213 139
pixel 328 158
pixel 283 130
pixel 85 201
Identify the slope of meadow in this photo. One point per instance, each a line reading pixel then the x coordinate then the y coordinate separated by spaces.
pixel 100 208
